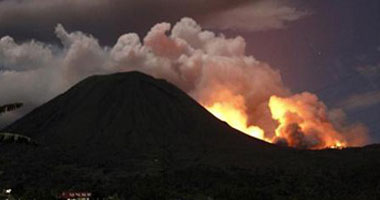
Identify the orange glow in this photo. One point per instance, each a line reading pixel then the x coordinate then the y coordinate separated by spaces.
pixel 308 117
pixel 302 121
pixel 235 118
pixel 231 109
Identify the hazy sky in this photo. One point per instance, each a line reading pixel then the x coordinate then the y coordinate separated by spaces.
pixel 328 47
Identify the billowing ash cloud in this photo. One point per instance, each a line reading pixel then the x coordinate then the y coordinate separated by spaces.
pixel 196 61
pixel 201 63
pixel 306 123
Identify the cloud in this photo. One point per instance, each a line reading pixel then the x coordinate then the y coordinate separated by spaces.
pixel 255 16
pixel 25 19
pixel 26 56
pixel 199 62
pixel 360 101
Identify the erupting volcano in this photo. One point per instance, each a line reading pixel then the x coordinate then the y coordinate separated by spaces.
pixel 248 94
pixel 190 99
pixel 302 121
pixel 232 111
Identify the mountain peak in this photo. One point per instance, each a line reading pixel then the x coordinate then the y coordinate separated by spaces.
pixel 129 109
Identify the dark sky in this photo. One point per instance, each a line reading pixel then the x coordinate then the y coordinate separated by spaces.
pixel 330 47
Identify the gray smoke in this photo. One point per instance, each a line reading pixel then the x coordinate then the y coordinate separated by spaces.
pixel 195 60
pixel 202 63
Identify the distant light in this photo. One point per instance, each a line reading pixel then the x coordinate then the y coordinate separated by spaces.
pixel 8 191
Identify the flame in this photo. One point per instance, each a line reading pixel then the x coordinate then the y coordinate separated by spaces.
pixel 235 118
pixel 302 123
pixel 231 109
pixel 303 116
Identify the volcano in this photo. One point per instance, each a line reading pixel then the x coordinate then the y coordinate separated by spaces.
pixel 136 136
pixel 136 113
pixel 128 110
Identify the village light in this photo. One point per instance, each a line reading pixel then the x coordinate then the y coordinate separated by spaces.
pixel 75 195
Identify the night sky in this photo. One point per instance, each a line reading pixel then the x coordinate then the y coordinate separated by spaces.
pixel 328 47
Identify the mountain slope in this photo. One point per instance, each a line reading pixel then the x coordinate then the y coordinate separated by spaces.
pixel 129 110
pixel 143 138
pixel 109 109
pixel 133 123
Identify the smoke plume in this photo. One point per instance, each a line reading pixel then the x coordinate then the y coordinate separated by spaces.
pixel 211 68
pixel 305 122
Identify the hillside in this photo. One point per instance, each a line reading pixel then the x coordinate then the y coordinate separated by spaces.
pixel 140 137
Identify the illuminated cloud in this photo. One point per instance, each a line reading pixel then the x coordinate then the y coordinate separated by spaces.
pixel 197 61
pixel 201 63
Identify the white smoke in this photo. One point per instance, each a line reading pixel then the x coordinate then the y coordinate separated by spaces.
pixel 199 62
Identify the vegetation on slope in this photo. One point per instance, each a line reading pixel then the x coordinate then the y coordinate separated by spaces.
pixel 13 137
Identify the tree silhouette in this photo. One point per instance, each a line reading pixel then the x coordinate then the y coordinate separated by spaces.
pixel 13 137
pixel 10 107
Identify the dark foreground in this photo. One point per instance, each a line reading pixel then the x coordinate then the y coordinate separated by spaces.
pixel 329 174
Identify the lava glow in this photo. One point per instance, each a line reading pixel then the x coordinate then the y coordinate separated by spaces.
pixel 302 121
pixel 237 119
pixel 231 109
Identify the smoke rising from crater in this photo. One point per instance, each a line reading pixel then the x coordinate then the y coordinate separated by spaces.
pixel 202 63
